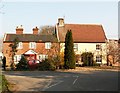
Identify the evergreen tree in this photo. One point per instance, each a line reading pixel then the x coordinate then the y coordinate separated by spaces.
pixel 22 65
pixel 69 55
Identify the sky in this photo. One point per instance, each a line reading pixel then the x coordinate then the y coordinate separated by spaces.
pixel 32 13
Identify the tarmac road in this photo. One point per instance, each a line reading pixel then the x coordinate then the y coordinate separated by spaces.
pixel 96 81
pixel 63 81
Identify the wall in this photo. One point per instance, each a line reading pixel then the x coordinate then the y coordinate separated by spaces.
pixel 90 47
pixel 40 49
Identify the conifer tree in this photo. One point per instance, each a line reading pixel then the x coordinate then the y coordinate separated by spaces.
pixel 22 65
pixel 69 55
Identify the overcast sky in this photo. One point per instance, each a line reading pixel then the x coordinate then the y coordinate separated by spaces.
pixel 39 13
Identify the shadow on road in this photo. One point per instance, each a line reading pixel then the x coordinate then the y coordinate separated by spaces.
pixel 87 80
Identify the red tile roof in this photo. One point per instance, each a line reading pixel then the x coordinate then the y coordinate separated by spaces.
pixel 83 33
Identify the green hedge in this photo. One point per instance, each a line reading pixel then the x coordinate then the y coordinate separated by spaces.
pixel 47 64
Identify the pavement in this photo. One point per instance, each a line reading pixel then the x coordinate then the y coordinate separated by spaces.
pixel 67 80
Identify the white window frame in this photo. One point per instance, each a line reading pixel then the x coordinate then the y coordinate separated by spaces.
pixel 75 47
pixel 48 45
pixel 17 58
pixel 20 45
pixel 32 45
pixel 98 47
pixel 43 57
pixel 99 59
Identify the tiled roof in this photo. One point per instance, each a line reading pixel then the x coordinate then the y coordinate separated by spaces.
pixel 83 32
pixel 30 38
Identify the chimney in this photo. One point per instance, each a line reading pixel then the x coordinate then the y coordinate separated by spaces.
pixel 35 30
pixel 19 30
pixel 60 22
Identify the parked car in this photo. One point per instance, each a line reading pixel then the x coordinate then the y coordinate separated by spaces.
pixel 33 64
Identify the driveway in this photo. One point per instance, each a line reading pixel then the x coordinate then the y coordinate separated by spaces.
pixel 80 80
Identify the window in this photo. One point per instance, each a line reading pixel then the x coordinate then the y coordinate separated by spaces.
pixel 17 58
pixel 75 47
pixel 32 45
pixel 20 45
pixel 48 45
pixel 99 59
pixel 43 57
pixel 98 47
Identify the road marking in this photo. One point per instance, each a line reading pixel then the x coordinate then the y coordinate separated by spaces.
pixel 47 85
pixel 52 85
pixel 75 80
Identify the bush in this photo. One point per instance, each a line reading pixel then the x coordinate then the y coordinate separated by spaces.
pixel 47 64
pixel 5 84
pixel 22 65
pixel 87 59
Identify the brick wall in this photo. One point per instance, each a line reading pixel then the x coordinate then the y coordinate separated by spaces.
pixel 40 49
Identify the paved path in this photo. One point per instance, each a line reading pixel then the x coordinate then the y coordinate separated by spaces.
pixel 63 81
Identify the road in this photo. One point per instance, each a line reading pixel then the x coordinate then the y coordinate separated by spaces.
pixel 63 81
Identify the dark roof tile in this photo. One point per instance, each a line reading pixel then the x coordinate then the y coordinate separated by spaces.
pixel 30 38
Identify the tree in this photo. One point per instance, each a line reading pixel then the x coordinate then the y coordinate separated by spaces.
pixel 47 30
pixel 113 52
pixel 69 55
pixel 1 44
pixel 13 50
pixel 54 54
pixel 22 65
pixel 119 50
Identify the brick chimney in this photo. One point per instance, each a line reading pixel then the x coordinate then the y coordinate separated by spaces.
pixel 35 30
pixel 19 30
pixel 60 22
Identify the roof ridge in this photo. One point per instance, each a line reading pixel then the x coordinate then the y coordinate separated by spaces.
pixel 85 24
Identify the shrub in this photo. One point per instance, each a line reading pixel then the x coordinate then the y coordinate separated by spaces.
pixel 87 59
pixel 22 65
pixel 47 64
pixel 5 84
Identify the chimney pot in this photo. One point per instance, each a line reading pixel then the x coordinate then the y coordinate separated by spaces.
pixel 60 22
pixel 35 30
pixel 19 30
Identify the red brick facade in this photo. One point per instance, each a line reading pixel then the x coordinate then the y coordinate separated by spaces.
pixel 39 49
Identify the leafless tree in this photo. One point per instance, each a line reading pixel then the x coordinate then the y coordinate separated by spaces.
pixel 47 30
pixel 113 51
pixel 1 44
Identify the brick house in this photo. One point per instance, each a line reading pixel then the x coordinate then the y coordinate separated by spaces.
pixel 33 46
pixel 86 38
